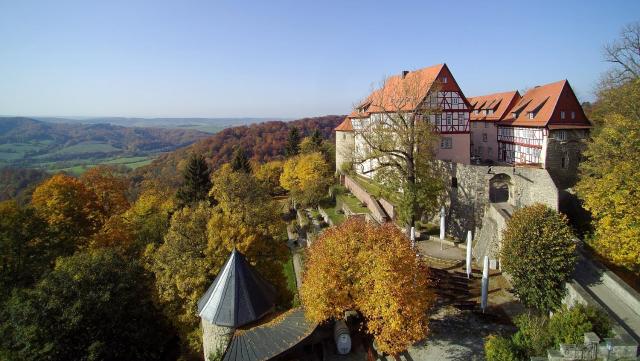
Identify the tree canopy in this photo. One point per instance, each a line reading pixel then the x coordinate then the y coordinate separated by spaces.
pixel 307 177
pixel 196 181
pixel 292 146
pixel 609 184
pixel 539 253
pixel 373 270
pixel 92 306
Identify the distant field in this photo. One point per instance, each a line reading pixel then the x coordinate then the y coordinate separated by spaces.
pixel 88 147
pixel 212 129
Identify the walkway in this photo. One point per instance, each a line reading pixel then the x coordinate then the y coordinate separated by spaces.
pixel 590 277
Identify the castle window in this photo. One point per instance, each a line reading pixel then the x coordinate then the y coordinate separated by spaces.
pixel 454 182
pixel 561 115
pixel 449 118
pixel 444 80
pixel 484 137
pixel 561 135
pixel 475 124
pixel 486 124
pixel 454 100
pixel 446 143
pixel 344 136
pixel 565 161
pixel 573 115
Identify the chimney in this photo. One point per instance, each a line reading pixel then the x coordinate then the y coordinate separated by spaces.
pixel 404 73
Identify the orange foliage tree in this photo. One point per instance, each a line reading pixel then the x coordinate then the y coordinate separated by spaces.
pixel 109 188
pixel 374 271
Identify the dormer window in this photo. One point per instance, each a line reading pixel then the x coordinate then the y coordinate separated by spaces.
pixel 476 111
pixel 532 115
pixel 485 112
pixel 490 111
pixel 514 114
pixel 562 115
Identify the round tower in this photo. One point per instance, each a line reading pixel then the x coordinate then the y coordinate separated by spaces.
pixel 345 144
pixel 237 297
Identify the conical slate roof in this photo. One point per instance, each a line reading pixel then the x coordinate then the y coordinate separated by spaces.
pixel 238 296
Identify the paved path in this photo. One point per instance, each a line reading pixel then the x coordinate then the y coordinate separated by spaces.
pixel 590 277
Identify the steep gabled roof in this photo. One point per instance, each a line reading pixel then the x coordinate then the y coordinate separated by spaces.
pixel 500 103
pixel 238 295
pixel 547 102
pixel 345 126
pixel 392 96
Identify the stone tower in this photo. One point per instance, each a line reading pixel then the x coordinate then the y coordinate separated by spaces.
pixel 345 143
pixel 237 297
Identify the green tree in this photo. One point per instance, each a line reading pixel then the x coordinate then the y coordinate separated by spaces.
pixel 399 144
pixel 240 161
pixel 196 181
pixel 292 148
pixel 498 348
pixel 307 177
pixel 92 306
pixel 539 253
pixel 26 248
pixel 608 187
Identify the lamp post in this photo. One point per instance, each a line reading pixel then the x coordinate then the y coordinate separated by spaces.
pixel 442 230
pixel 469 254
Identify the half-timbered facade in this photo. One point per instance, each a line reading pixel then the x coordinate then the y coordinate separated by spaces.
pixel 487 111
pixel 432 88
pixel 546 128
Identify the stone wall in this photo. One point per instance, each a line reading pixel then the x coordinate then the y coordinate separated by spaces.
pixel 563 157
pixel 377 213
pixel 469 199
pixel 215 339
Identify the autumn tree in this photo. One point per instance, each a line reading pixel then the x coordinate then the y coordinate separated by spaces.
pixel 399 143
pixel 26 250
pixel 148 218
pixel 292 147
pixel 609 185
pixel 110 190
pixel 539 253
pixel 182 269
pixel 373 270
pixel 92 306
pixel 196 181
pixel 307 177
pixel 240 161
pixel 69 207
pixel 268 175
pixel 201 238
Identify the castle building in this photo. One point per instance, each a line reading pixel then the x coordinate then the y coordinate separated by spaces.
pixel 236 313
pixel 487 111
pixel 546 128
pixel 434 87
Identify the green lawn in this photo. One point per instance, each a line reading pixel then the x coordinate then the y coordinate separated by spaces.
pixel 290 273
pixel 88 147
pixel 353 203
pixel 375 189
pixel 333 214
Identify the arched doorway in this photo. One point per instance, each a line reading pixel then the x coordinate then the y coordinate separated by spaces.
pixel 499 188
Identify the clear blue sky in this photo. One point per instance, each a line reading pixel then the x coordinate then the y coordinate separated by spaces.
pixel 284 58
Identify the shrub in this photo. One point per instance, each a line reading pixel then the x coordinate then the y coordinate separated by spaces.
pixel 498 348
pixel 539 252
pixel 532 338
pixel 569 325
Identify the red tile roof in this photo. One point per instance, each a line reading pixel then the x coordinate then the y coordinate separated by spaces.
pixel 345 126
pixel 546 102
pixel 392 96
pixel 500 103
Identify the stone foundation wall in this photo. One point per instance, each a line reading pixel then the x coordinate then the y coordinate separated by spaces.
pixel 215 339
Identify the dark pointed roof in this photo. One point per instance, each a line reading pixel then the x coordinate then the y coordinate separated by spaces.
pixel 238 296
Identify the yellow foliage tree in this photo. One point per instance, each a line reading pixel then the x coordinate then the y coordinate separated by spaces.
pixel 307 177
pixel 610 180
pixel 68 206
pixel 268 174
pixel 373 270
